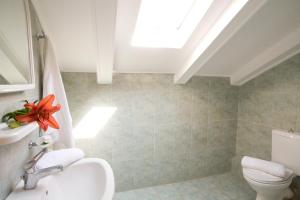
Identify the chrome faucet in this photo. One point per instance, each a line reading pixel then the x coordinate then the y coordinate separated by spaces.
pixel 32 175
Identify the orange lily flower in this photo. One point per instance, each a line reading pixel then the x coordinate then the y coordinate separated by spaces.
pixel 41 113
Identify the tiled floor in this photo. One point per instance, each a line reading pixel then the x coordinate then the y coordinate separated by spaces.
pixel 218 187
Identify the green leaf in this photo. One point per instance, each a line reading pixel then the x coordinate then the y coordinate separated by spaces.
pixel 25 101
pixel 14 124
pixel 7 117
pixel 12 115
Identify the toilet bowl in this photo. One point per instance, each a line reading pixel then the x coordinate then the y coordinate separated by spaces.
pixel 268 187
pixel 285 151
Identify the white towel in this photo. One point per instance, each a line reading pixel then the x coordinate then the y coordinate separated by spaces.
pixel 62 157
pixel 272 168
pixel 53 84
pixel 265 177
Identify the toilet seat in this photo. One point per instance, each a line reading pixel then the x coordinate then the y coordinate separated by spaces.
pixel 264 178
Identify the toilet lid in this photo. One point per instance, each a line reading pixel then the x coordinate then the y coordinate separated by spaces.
pixel 263 177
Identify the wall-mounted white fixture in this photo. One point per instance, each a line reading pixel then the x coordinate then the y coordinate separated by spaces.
pixel 8 136
pixel 88 178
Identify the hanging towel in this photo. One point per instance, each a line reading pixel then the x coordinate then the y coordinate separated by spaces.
pixel 63 157
pixel 52 84
pixel 272 168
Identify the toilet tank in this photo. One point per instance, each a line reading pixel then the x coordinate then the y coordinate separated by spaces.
pixel 286 149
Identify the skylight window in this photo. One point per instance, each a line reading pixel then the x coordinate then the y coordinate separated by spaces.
pixel 167 23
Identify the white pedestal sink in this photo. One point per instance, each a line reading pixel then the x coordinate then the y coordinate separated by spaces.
pixel 89 178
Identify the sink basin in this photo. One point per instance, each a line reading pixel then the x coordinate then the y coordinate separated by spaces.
pixel 89 178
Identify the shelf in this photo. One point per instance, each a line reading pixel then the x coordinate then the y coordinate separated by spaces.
pixel 8 136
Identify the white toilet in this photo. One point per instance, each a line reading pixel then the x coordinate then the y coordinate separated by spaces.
pixel 285 150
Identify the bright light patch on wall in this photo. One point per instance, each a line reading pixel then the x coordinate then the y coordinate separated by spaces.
pixel 94 120
pixel 167 23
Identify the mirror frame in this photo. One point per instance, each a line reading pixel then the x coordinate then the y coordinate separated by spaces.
pixel 31 84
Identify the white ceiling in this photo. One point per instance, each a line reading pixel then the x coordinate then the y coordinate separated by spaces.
pixel 275 20
pixel 129 59
pixel 95 36
pixel 69 24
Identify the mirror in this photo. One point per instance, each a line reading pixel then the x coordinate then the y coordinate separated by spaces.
pixel 16 56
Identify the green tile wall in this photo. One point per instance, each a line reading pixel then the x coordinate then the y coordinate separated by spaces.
pixel 270 101
pixel 161 132
pixel 165 133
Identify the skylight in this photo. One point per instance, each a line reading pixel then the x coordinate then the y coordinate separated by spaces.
pixel 167 23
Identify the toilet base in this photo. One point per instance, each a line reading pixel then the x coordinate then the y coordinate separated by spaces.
pixel 288 194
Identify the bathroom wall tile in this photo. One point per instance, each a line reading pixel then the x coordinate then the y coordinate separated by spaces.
pixel 166 171
pixel 123 82
pixel 222 105
pixel 84 144
pixel 284 111
pixel 144 173
pixel 123 173
pixel 182 149
pixel 157 125
pixel 262 108
pixel 199 84
pixel 142 118
pixel 244 138
pixel 265 82
pixel 261 142
pixel 247 106
pixel 101 149
pixel 199 167
pixel 164 151
pixel 286 77
pixel 166 109
pixel 218 163
pixel 236 168
pixel 221 134
pixel 182 133
pixel 270 101
pixel 296 59
pixel 13 158
pixel 198 142
pixel 254 140
pixel 220 85
pixel 198 148
pixel 133 151
pixel 199 112
pixel 99 96
pixel 172 171
pixel 195 122
pixel 164 142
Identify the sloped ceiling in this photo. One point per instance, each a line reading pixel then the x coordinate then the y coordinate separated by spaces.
pixel 95 36
pixel 272 23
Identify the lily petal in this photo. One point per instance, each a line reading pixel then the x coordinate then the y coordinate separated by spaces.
pixel 46 102
pixel 53 123
pixel 54 109
pixel 25 118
